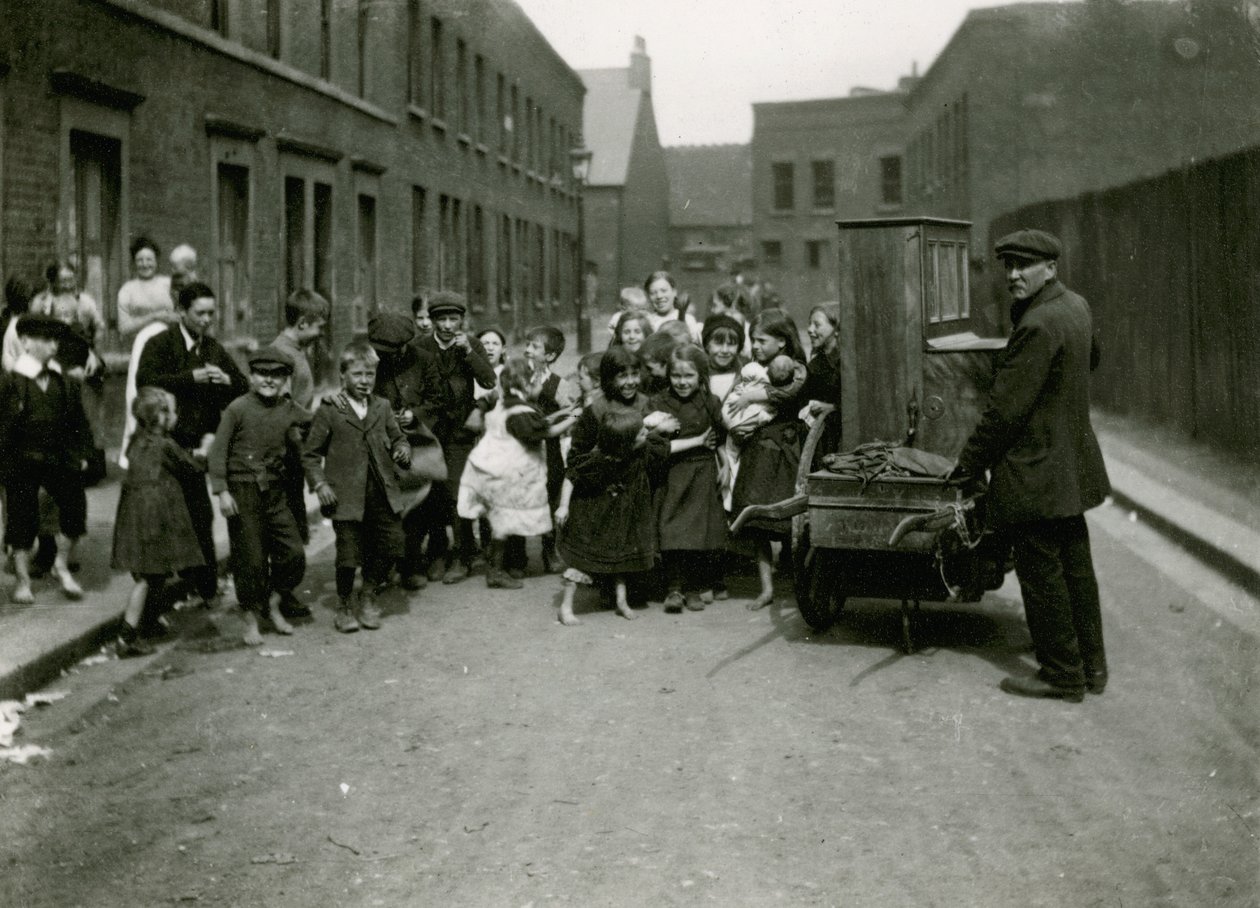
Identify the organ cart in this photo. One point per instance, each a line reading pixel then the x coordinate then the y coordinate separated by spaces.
pixel 916 374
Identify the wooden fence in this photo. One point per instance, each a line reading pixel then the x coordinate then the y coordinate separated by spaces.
pixel 1171 269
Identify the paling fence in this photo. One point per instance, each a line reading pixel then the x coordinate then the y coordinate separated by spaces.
pixel 1171 269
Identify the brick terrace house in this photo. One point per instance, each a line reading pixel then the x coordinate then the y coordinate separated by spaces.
pixel 1047 100
pixel 710 217
pixel 815 162
pixel 627 191
pixel 365 149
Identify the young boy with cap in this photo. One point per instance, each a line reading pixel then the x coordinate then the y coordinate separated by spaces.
pixel 460 360
pixel 248 466
pixel 45 442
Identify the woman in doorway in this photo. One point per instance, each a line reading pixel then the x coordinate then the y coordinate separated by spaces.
pixel 147 296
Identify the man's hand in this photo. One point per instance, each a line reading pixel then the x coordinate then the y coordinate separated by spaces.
pixel 461 341
pixel 203 375
pixel 402 455
pixel 227 504
pixel 218 376
pixel 327 497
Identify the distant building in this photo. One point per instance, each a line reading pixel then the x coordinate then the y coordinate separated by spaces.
pixel 627 192
pixel 364 149
pixel 1045 100
pixel 815 162
pixel 710 217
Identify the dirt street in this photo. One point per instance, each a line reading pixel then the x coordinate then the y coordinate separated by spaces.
pixel 474 752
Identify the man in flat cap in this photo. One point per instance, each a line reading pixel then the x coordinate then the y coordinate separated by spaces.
pixel 407 377
pixel 460 361
pixel 1046 469
pixel 248 466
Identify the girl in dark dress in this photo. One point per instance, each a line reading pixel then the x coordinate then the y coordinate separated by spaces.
pixel 620 374
pixel 771 454
pixel 605 512
pixel 153 534
pixel 691 522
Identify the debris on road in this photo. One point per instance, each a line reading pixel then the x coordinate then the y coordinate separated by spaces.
pixel 277 857
pixel 349 848
pixel 275 653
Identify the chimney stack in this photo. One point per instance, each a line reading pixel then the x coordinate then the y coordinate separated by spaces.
pixel 640 66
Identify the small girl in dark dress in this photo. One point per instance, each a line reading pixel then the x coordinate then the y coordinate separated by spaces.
pixel 620 374
pixel 153 534
pixel 771 454
pixel 691 522
pixel 605 512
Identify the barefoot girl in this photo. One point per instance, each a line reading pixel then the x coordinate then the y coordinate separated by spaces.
pixel 771 453
pixel 605 513
pixel 691 522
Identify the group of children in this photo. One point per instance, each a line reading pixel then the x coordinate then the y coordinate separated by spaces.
pixel 667 439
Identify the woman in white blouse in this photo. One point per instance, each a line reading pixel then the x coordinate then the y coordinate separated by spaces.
pixel 147 296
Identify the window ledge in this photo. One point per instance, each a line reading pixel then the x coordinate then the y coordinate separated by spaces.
pixel 482 149
pixel 516 166
pixel 782 213
pixel 417 111
pixel 463 138
pixel 438 123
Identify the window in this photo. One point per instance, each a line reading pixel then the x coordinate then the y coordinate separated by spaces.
pixel 419 239
pixel 947 293
pixel 232 258
pixel 273 28
pixel 462 111
pixel 540 263
pixel 365 270
pixel 514 120
pixel 554 272
pixel 824 184
pixel 414 43
pixel 505 263
pixel 501 113
pixel 322 258
pixel 219 17
pixel 294 235
pixel 325 38
pixel 771 252
pixel 814 253
pixel 308 258
pixel 890 180
pixel 479 98
pixel 784 190
pixel 477 261
pixel 530 136
pixel 437 70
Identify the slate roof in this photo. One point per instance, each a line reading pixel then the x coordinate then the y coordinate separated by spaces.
pixel 709 185
pixel 609 115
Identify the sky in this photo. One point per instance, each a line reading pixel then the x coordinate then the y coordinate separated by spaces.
pixel 712 59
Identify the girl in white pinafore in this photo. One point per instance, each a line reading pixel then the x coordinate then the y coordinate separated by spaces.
pixel 505 478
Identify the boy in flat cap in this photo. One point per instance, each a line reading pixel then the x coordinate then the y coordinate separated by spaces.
pixel 1046 468
pixel 249 467
pixel 460 361
pixel 45 442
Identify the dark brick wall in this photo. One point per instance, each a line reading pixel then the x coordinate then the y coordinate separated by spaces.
pixel 170 192
pixel 645 202
pixel 603 241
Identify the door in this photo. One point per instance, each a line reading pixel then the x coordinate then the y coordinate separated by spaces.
pixel 97 186
pixel 233 259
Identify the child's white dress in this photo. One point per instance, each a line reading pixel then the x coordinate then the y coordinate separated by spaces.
pixel 755 414
pixel 505 481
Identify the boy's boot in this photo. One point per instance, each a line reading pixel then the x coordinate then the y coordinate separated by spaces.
pixel 345 620
pixel 129 643
pixel 369 611
pixel 496 577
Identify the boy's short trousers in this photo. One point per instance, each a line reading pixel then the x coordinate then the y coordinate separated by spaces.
pixel 22 503
pixel 379 535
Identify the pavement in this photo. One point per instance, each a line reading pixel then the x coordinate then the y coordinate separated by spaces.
pixel 1205 501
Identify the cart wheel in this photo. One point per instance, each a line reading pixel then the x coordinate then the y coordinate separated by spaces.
pixel 818 583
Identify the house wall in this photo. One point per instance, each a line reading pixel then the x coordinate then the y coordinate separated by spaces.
pixel 184 100
pixel 644 234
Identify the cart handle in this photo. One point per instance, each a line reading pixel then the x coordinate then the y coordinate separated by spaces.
pixel 937 520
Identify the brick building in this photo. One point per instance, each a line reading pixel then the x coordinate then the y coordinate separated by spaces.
pixel 627 191
pixel 710 217
pixel 1045 100
pixel 815 162
pixel 365 149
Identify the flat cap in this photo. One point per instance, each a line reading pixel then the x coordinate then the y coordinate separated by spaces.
pixel 447 302
pixel 41 326
pixel 1029 244
pixel 390 331
pixel 270 358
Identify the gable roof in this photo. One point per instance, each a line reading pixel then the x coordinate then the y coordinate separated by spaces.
pixel 709 185
pixel 609 116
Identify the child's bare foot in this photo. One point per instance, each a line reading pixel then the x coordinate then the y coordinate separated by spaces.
pixel 252 636
pixel 624 610
pixel 22 594
pixel 277 621
pixel 622 600
pixel 69 585
pixel 766 597
pixel 568 619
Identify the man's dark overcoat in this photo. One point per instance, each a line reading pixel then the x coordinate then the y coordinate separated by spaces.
pixel 1035 434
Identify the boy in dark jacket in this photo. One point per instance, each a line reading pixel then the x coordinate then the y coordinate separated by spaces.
pixel 248 468
pixel 349 458
pixel 45 442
